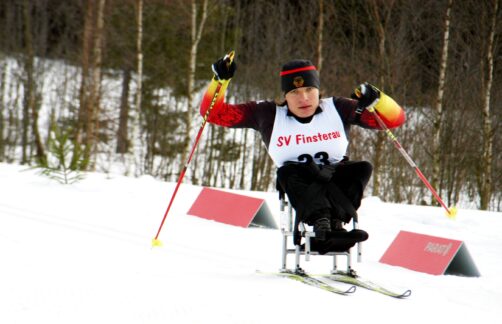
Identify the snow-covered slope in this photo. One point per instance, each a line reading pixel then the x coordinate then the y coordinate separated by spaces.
pixel 82 254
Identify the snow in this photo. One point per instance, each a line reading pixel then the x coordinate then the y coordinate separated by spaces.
pixel 82 253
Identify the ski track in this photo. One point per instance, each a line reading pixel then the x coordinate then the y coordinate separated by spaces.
pixel 83 254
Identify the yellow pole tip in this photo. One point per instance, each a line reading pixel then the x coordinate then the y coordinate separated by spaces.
pixel 452 214
pixel 156 242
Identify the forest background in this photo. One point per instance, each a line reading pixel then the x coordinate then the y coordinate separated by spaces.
pixel 115 85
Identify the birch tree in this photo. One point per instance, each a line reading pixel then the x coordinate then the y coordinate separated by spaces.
pixel 137 138
pixel 438 107
pixel 30 103
pixel 28 84
pixel 380 26
pixel 3 74
pixel 195 37
pixel 488 132
pixel 122 132
pixel 88 120
pixel 84 83
pixel 320 30
pixel 94 100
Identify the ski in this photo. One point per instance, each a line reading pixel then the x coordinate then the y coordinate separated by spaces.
pixel 366 284
pixel 315 282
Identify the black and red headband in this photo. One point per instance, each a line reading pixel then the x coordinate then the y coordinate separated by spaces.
pixel 297 74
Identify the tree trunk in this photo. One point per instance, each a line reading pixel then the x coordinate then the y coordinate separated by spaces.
pixel 30 93
pixel 245 154
pixel 138 142
pixel 232 179
pixel 93 107
pixel 122 133
pixel 438 118
pixel 196 34
pixel 488 132
pixel 380 137
pixel 208 155
pixel 219 139
pixel 28 86
pixel 320 29
pixel 13 131
pixel 84 84
pixel 3 108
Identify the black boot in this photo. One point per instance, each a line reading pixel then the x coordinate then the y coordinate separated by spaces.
pixel 337 225
pixel 341 241
pixel 322 228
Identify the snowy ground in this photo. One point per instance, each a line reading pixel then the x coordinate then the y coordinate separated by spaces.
pixel 82 254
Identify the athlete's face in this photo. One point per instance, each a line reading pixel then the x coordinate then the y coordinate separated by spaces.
pixel 303 102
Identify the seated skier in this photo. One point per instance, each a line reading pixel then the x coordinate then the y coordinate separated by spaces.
pixel 307 138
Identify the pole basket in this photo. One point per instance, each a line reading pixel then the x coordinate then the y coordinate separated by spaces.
pixel 452 213
pixel 156 242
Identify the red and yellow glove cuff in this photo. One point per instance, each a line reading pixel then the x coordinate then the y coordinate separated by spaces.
pixel 391 113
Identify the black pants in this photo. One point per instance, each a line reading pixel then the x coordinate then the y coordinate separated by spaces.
pixel 313 189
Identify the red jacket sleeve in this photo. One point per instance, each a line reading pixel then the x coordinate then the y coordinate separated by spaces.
pixel 221 113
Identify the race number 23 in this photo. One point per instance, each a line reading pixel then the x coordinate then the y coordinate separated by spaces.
pixel 307 158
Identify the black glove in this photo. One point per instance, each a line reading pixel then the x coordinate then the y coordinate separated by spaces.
pixel 366 94
pixel 224 68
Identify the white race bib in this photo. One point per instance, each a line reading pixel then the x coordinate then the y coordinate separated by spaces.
pixel 323 139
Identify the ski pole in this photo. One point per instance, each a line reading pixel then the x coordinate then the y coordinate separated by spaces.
pixel 221 83
pixel 452 211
